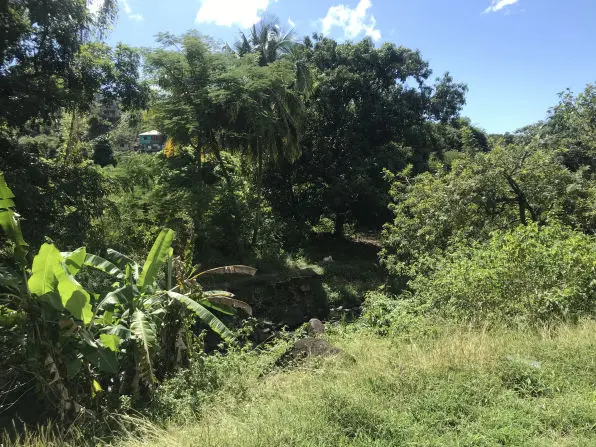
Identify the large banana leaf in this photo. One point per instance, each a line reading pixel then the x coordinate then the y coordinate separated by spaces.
pixel 74 260
pixel 227 299
pixel 74 298
pixel 207 317
pixel 122 261
pixel 43 279
pixel 144 331
pixel 103 265
pixel 122 332
pixel 157 257
pixel 102 358
pixel 9 221
pixel 229 270
pixel 110 341
pixel 50 273
pixel 119 296
pixel 221 308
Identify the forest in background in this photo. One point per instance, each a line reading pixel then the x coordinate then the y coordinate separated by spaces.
pixel 344 168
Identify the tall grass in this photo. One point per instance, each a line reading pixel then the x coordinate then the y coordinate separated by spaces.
pixel 462 387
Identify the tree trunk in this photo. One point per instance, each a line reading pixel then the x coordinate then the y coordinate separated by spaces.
pixel 338 232
pixel 522 201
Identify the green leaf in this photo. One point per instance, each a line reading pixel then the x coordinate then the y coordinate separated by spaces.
pixel 53 299
pixel 6 203
pixel 107 318
pixel 122 332
pixel 144 331
pixel 116 297
pixel 207 317
pixel 124 263
pixel 110 341
pixel 119 259
pixel 74 298
pixel 43 279
pixel 218 307
pixel 157 256
pixel 88 338
pixel 9 221
pixel 119 296
pixel 102 358
pixel 74 260
pixel 103 265
pixel 73 367
pixel 142 328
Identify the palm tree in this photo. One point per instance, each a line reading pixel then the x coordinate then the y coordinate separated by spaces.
pixel 267 39
pixel 275 124
pixel 276 129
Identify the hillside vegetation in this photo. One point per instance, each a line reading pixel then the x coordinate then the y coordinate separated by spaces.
pixel 178 297
pixel 450 386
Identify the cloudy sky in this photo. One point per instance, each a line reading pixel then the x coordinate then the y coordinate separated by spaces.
pixel 515 55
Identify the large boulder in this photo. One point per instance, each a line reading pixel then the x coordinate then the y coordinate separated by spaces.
pixel 313 347
pixel 315 327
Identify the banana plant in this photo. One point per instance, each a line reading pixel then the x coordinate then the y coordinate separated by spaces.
pixel 53 310
pixel 130 316
pixel 69 328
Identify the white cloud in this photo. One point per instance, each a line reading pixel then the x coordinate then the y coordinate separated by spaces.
pixel 497 5
pixel 126 7
pixel 95 5
pixel 353 21
pixel 291 23
pixel 231 12
pixel 129 12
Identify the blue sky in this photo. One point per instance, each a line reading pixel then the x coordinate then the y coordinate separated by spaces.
pixel 515 55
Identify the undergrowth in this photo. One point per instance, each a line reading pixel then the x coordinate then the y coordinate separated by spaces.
pixel 455 385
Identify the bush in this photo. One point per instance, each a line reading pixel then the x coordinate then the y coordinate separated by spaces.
pixel 478 194
pixel 103 154
pixel 396 316
pixel 56 200
pixel 187 392
pixel 531 273
pixel 527 378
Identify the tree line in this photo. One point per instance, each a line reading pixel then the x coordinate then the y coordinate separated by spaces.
pixel 269 139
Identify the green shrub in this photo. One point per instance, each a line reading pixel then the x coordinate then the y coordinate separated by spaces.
pixel 528 378
pixel 531 273
pixel 475 195
pixel 377 309
pixel 103 154
pixel 187 392
pixel 397 316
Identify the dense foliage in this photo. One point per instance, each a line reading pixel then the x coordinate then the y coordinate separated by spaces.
pixel 364 117
pixel 528 274
pixel 68 342
pixel 479 193
pixel 291 156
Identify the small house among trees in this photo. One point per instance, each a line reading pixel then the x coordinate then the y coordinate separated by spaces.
pixel 151 141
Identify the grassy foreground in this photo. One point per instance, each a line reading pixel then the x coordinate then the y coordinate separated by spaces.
pixel 457 387
pixel 461 388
